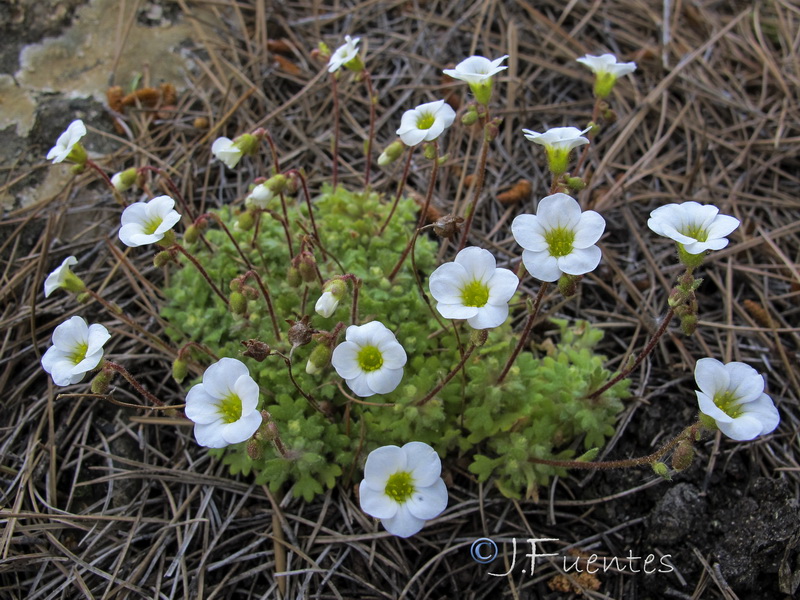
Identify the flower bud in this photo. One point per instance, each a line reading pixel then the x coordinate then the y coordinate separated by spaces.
pixel 245 221
pixel 662 470
pixel 238 303
pixel 479 336
pixel 124 180
pixel 307 266
pixel 688 324
pixel 191 235
pixel 568 284
pixel 179 370
pixel 333 292
pixel 470 117
pixel 254 450
pixel 319 358
pixel 162 259
pixel 293 277
pixel 101 382
pixel 576 184
pixel 492 129
pixel 430 151
pixel 392 152
pixel 683 455
pixel 276 184
pixel 249 292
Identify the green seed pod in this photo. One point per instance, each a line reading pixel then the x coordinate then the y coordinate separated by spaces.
pixel 662 470
pixel 683 455
pixel 100 383
pixel 162 259
pixel 294 278
pixel 191 235
pixel 238 303
pixel 245 221
pixel 179 370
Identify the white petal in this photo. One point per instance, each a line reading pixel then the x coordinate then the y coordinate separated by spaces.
pixel 220 378
pixel 745 382
pixel 243 429
pixel 423 462
pixel 541 265
pixel 446 282
pixel 394 356
pixel 135 213
pixel 580 260
pixel 428 502
pixel 71 334
pixel 358 385
pixel 403 524
pixel 529 233
pixel 456 311
pixel 711 376
pixel 345 360
pixel 200 407
pixel 384 381
pixel 707 407
pixel 590 227
pixel 722 226
pixel 491 315
pixel 96 338
pixel 376 503
pixel 247 389
pixel 502 286
pixel 210 435
pixel 412 137
pixel 381 464
pixel 558 210
pixel 477 262
pixel 764 410
pixel 741 429
pixel 435 130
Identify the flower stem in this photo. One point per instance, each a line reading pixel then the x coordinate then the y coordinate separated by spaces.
pixel 227 231
pixel 687 434
pixel 173 188
pixel 202 271
pixel 585 152
pixel 116 311
pixel 354 308
pixel 647 350
pixel 372 99
pixel 481 174
pixel 423 213
pixel 526 331
pixel 335 167
pixel 268 299
pixel 307 396
pixel 132 380
pixel 400 188
pixel 310 207
pixel 449 376
pixel 184 350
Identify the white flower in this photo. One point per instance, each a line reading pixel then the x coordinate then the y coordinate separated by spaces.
pixel 58 277
pixel 558 142
pixel 259 196
pixel 402 487
pixel 147 222
pixel 326 305
pixel 371 359
pixel 472 288
pixel 607 63
pixel 223 407
pixel 559 238
pixel 227 151
pixel 343 54
pixel 696 227
pixel 476 69
pixel 67 141
pixel 425 123
pixel 77 348
pixel 124 180
pixel 733 396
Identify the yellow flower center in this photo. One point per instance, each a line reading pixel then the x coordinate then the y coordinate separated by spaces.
pixel 475 293
pixel 425 121
pixel 560 241
pixel 727 403
pixel 230 408
pixel 696 232
pixel 79 353
pixel 400 487
pixel 151 225
pixel 370 359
